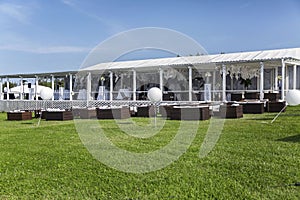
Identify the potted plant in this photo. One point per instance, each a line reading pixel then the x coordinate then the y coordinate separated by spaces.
pixel 246 82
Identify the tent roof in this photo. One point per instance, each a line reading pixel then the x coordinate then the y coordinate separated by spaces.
pixel 258 56
pixel 230 58
pixel 291 55
pixel 45 74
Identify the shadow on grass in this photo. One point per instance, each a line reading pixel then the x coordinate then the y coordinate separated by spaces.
pixel 27 123
pixel 261 119
pixel 294 138
pixel 289 115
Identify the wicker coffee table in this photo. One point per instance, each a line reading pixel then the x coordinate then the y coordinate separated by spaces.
pixel 20 115
pixel 189 113
pixel 59 115
pixel 113 113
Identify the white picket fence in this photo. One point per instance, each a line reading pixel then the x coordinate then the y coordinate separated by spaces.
pixel 11 105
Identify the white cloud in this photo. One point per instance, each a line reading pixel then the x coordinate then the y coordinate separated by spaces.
pixel 68 2
pixel 112 26
pixel 61 49
pixel 17 12
pixel 73 5
pixel 45 50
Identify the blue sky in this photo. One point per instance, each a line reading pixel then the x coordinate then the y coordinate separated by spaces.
pixel 56 35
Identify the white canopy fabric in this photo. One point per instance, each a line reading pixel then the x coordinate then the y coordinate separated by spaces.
pixel 249 64
pixel 230 58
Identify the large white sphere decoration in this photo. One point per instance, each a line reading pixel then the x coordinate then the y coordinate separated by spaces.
pixel 293 97
pixel 46 93
pixel 155 94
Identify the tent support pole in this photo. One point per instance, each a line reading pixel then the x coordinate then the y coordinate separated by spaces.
pixel 1 89
pixel 134 85
pixel 7 88
pixel 88 88
pixel 35 88
pixel 224 73
pixel 190 83
pixel 71 86
pixel 283 78
pixel 294 77
pixel 111 85
pixel 276 79
pixel 52 86
pixel 214 85
pixel 261 88
pixel 21 89
pixel 161 80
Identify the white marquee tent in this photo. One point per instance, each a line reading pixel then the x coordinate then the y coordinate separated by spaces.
pixel 282 65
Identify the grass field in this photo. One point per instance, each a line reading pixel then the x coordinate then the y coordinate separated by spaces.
pixel 253 159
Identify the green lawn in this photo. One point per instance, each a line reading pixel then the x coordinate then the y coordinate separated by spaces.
pixel 253 159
